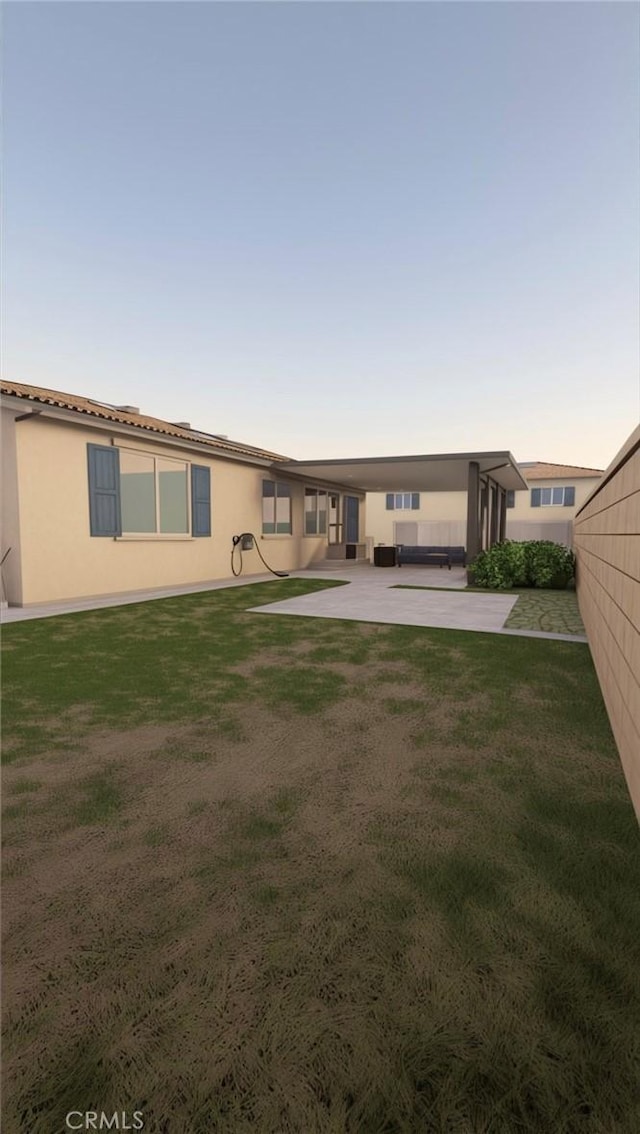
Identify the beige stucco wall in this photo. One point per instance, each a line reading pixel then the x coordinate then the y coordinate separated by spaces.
pixel 60 559
pixel 522 509
pixel 607 547
pixel 554 522
pixel 433 506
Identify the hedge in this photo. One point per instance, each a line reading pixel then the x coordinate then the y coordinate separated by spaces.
pixel 531 563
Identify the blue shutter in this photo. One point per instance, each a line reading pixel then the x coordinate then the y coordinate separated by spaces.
pixel 104 490
pixel 569 497
pixel 535 497
pixel 415 501
pixel 390 501
pixel 200 500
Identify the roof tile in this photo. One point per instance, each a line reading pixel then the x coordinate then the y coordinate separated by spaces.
pixel 542 470
pixel 104 412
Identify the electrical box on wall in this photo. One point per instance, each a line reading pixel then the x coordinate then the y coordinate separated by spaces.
pixel 246 541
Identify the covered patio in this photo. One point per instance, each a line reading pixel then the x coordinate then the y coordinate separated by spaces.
pixel 485 477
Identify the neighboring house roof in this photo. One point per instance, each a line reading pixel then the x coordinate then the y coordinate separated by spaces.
pixel 542 470
pixel 125 416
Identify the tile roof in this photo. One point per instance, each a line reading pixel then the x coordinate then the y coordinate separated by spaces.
pixel 542 470
pixel 100 410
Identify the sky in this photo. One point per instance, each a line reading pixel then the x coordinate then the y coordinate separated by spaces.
pixel 331 229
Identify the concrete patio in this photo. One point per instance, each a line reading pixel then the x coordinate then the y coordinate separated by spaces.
pixel 378 595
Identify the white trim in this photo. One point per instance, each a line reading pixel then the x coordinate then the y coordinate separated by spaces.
pixel 285 496
pixel 155 457
pixel 314 493
pixel 403 507
pixel 556 488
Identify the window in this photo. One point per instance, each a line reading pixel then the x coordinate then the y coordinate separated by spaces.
pixel 553 497
pixel 276 508
pixel 511 498
pixel 403 501
pixel 315 511
pixel 133 493
pixel 153 494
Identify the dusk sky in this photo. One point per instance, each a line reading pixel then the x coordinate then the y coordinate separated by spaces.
pixel 332 229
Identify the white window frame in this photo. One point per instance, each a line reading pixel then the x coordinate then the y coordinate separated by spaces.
pixel 316 494
pixel 551 503
pixel 276 496
pixel 405 496
pixel 157 534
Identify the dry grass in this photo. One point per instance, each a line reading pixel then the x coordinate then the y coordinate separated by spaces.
pixel 385 886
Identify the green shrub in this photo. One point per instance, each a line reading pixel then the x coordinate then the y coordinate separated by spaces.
pixel 550 564
pixel 496 568
pixel 532 563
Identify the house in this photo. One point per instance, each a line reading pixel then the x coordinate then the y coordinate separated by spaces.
pixel 100 499
pixel 554 496
pixel 543 509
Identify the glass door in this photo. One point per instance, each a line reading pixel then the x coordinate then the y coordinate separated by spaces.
pixel 335 527
pixel 351 519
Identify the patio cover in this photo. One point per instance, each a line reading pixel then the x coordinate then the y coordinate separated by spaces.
pixel 442 472
pixel 485 477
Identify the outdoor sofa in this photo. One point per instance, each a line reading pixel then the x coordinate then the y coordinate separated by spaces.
pixel 442 556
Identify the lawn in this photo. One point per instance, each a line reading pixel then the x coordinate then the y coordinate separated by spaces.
pixel 294 875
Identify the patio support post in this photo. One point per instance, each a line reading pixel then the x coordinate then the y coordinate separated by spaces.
pixel 502 525
pixel 473 512
pixel 493 533
pixel 484 514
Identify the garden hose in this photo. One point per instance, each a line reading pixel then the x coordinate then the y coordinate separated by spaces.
pixel 237 544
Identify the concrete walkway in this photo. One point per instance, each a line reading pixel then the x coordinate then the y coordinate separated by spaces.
pixel 361 603
pixel 378 595
pixel 371 597
pixel 375 575
pixel 100 602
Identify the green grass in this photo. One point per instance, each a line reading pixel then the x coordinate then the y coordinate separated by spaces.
pixel 248 890
pixel 24 784
pixel 417 587
pixel 142 663
pixel 156 837
pixel 100 799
